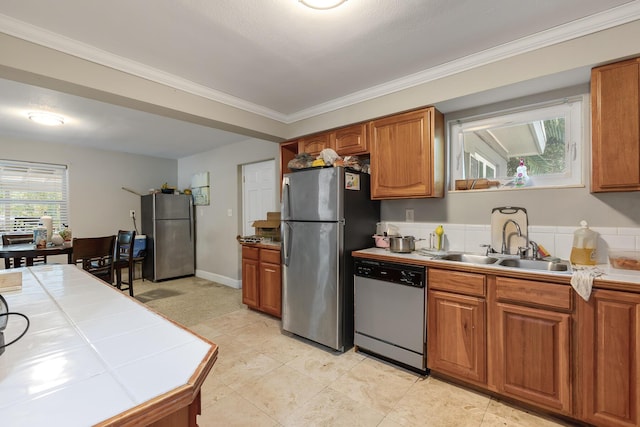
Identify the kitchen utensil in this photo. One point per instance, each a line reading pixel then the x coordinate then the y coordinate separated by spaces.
pixel 401 244
pixel 500 216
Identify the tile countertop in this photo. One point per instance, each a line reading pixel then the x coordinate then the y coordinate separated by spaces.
pixel 92 353
pixel 612 278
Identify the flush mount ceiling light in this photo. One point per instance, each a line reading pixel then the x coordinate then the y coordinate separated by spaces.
pixel 45 118
pixel 322 4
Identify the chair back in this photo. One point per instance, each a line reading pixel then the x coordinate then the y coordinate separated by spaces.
pixel 124 246
pixel 95 255
pixel 16 238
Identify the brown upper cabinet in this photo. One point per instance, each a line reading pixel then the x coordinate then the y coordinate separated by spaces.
pixel 615 109
pixel 314 144
pixel 407 155
pixel 351 140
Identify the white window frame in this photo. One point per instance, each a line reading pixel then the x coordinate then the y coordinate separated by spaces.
pixel 29 190
pixel 572 109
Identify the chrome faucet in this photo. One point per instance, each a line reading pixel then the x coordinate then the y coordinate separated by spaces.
pixel 504 237
pixel 534 249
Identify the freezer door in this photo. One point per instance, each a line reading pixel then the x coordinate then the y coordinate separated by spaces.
pixel 312 289
pixel 172 206
pixel 174 249
pixel 313 195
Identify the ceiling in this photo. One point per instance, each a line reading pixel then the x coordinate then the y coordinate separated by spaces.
pixel 275 58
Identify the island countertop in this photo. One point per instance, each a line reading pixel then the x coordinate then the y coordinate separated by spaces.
pixel 95 356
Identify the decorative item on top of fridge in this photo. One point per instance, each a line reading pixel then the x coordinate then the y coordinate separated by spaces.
pixel 328 158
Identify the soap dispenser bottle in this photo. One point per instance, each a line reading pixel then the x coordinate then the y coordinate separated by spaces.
pixel 583 251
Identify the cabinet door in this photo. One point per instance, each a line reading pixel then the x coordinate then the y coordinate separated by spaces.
pixel 456 335
pixel 609 358
pixel 271 289
pixel 615 108
pixel 406 160
pixel 532 350
pixel 314 144
pixel 351 140
pixel 250 277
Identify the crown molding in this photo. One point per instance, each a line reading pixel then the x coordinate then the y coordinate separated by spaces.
pixel 591 24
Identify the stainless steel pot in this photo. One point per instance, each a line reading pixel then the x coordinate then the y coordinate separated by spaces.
pixel 401 244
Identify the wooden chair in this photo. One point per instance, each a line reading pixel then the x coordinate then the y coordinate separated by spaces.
pixel 124 259
pixel 95 255
pixel 17 238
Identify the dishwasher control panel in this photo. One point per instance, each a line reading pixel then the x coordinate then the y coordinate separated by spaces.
pixel 403 274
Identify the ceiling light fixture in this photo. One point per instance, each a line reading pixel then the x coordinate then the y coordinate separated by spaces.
pixel 322 4
pixel 45 118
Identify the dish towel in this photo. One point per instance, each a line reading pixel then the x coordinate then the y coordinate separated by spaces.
pixel 582 280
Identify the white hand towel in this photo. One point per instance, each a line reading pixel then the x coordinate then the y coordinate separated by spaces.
pixel 582 280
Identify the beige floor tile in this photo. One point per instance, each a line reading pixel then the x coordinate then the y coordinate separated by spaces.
pixel 284 348
pixel 331 408
pixel 228 323
pixel 431 402
pixel 503 414
pixel 255 334
pixel 213 389
pixel 280 392
pixel 234 411
pixel 375 384
pixel 324 365
pixel 243 368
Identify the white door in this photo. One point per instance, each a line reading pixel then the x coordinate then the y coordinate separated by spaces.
pixel 258 193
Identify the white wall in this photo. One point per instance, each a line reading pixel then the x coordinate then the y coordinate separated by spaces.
pixel 218 254
pixel 98 205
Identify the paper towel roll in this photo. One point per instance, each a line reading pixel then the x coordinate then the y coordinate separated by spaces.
pixel 47 222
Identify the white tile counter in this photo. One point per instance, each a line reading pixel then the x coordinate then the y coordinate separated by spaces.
pixel 611 278
pixel 93 355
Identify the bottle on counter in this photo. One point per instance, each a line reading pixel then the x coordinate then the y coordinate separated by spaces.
pixel 521 174
pixel 583 251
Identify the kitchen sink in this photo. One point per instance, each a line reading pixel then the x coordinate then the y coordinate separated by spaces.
pixel 473 259
pixel 531 264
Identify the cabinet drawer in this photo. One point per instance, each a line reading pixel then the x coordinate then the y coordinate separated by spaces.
pixel 249 252
pixel 268 255
pixel 535 293
pixel 456 281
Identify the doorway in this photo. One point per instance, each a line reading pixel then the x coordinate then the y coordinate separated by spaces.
pixel 258 193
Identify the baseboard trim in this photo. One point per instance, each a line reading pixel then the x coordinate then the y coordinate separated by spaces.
pixel 223 280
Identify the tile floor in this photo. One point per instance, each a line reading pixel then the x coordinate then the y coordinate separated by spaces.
pixel 264 377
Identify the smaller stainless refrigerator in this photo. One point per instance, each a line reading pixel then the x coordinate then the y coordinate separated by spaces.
pixel 168 223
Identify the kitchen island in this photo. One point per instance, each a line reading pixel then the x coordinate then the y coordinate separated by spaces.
pixel 94 356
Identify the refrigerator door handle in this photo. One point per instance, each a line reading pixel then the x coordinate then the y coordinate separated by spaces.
pixel 287 230
pixel 285 198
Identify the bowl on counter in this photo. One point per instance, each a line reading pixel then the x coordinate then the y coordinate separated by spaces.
pixel 625 259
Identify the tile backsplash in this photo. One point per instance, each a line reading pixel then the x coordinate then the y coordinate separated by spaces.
pixel 556 240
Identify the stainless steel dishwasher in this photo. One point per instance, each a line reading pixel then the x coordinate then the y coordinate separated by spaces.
pixel 390 311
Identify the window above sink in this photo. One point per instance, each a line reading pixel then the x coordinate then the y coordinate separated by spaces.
pixel 547 138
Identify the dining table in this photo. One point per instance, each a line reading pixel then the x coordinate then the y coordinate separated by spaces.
pixel 29 251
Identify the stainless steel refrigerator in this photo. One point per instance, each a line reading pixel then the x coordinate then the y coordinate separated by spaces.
pixel 326 214
pixel 167 221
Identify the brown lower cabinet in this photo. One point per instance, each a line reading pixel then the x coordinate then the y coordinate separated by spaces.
pixel 539 343
pixel 609 355
pixel 262 279
pixel 456 333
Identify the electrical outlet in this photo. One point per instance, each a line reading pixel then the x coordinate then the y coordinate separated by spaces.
pixel 132 213
pixel 229 212
pixel 408 214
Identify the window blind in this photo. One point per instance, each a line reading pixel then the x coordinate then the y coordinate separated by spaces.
pixel 31 190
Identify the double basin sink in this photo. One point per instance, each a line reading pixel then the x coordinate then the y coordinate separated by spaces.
pixel 525 264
